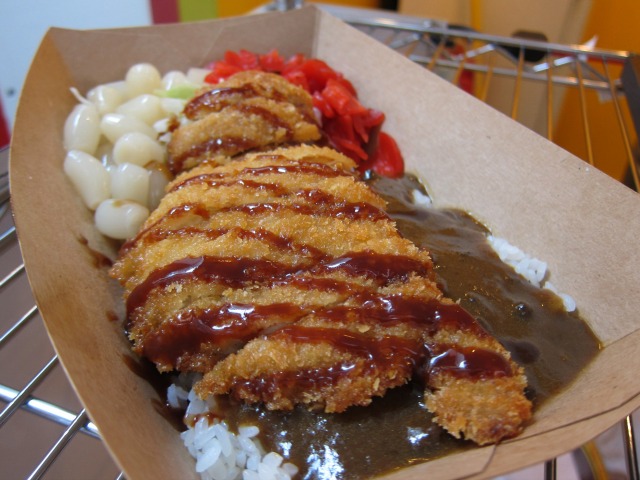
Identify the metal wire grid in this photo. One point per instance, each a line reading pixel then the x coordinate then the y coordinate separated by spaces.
pixel 505 71
pixel 28 360
pixel 425 42
pixel 455 52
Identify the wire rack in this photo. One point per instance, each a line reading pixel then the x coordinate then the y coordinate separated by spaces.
pixel 44 428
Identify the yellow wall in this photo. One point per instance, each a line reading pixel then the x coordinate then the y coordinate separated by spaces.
pixel 238 7
pixel 615 22
pixel 503 17
pixel 193 10
pixel 227 8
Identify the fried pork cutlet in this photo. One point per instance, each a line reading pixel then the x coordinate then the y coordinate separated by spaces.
pixel 249 110
pixel 280 277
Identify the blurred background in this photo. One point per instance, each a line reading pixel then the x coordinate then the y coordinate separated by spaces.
pixel 611 24
pixel 607 24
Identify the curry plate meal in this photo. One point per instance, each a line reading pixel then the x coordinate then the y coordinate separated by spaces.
pixel 276 277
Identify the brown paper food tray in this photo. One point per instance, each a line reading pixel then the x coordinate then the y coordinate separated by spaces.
pixel 525 189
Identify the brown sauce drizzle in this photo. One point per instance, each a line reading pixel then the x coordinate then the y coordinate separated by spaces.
pixel 379 351
pixel 159 167
pixel 174 123
pixel 430 316
pixel 306 168
pixel 157 235
pixel 553 346
pixel 369 353
pixel 189 208
pixel 179 211
pixel 288 382
pixel 207 179
pixel 401 353
pixel 311 160
pixel 282 243
pixel 220 98
pixel 230 326
pixel 322 169
pixel 227 327
pixel 351 211
pixel 228 145
pixel 217 99
pixel 236 273
pixel 467 362
pixel 233 145
pixel 325 205
pixel 265 236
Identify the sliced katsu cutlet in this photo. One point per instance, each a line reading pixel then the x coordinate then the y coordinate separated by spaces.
pixel 211 266
pixel 249 110
pixel 280 277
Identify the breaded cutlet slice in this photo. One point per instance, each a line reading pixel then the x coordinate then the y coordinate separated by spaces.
pixel 248 111
pixel 244 85
pixel 473 387
pixel 280 277
pixel 252 213
pixel 329 360
pixel 289 196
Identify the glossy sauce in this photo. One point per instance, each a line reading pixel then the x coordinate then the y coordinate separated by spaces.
pixel 237 273
pixel 220 98
pixel 226 327
pixel 468 362
pixel 305 168
pixel 324 204
pixel 552 345
pixel 352 211
pixel 213 181
pixel 230 145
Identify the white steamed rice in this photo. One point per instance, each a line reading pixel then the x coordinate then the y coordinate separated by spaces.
pixel 530 268
pixel 219 453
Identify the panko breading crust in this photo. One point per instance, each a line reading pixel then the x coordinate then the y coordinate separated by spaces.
pixel 248 111
pixel 278 275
